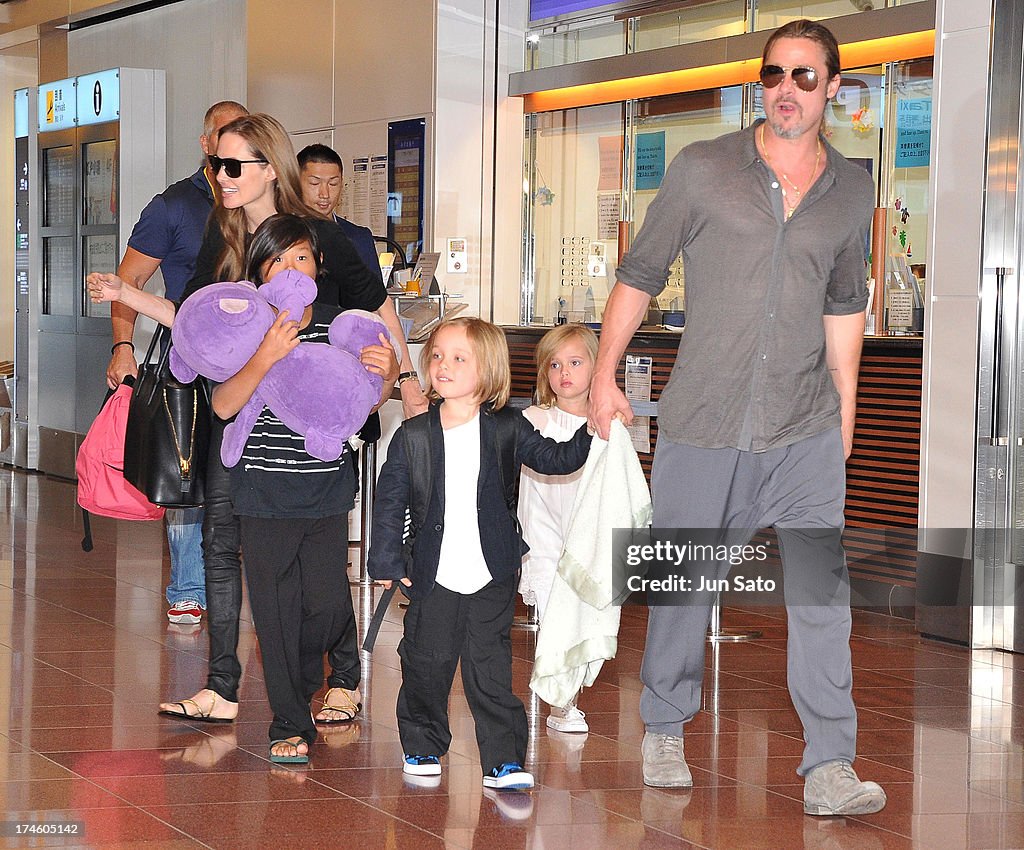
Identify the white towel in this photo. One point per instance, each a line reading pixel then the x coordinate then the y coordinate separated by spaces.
pixel 581 625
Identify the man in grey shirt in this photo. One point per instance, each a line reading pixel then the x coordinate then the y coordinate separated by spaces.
pixel 757 419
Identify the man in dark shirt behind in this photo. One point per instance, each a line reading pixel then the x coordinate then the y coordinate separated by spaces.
pixel 167 236
pixel 322 173
pixel 757 419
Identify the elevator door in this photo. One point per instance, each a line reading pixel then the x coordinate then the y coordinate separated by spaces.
pixel 998 570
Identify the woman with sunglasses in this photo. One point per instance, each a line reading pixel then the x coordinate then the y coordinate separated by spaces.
pixel 258 176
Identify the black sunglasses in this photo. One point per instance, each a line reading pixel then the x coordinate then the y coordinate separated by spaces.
pixel 772 75
pixel 232 167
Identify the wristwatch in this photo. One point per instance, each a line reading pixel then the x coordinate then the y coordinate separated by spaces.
pixel 406 376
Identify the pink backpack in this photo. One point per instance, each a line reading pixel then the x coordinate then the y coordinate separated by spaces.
pixel 100 466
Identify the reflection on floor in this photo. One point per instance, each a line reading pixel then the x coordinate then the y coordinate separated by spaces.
pixel 86 654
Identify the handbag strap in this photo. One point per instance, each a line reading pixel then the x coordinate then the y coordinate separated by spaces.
pixel 378 617
pixel 159 335
pixel 163 336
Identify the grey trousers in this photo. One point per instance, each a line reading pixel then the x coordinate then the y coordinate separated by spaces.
pixel 796 489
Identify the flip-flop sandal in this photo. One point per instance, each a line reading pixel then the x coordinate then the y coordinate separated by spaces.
pixel 200 716
pixel 348 712
pixel 298 758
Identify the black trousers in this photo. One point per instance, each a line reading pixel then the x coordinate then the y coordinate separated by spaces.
pixel 441 630
pixel 221 545
pixel 293 568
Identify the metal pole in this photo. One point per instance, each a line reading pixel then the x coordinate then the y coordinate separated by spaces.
pixel 716 633
pixel 529 623
pixel 367 487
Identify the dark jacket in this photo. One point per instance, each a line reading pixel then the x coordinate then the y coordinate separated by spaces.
pixel 345 282
pixel 502 543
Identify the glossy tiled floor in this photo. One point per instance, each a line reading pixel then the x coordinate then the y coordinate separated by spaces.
pixel 86 654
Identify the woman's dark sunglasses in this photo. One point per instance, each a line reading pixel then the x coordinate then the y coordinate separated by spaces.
pixel 232 167
pixel 772 75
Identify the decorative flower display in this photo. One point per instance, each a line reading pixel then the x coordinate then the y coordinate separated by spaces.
pixel 863 121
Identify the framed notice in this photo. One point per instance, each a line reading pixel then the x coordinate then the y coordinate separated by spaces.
pixel 405 200
pixel 913 132
pixel 650 160
pixel 638 377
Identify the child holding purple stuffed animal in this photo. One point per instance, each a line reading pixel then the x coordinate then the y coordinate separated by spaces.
pixel 293 508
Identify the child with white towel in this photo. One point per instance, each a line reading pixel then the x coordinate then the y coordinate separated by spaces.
pixel 565 363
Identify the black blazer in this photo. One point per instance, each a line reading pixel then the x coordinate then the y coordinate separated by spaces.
pixel 502 543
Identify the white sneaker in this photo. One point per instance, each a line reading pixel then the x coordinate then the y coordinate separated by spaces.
pixel 569 719
pixel 186 612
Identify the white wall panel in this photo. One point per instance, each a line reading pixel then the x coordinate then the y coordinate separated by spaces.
pixel 201 46
pixel 957 173
pixel 957 182
pixel 947 415
pixel 291 62
pixel 964 15
pixel 384 59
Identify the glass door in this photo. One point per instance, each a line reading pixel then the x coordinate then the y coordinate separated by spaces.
pixel 57 230
pixel 98 223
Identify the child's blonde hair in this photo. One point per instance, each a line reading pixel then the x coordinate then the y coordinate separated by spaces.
pixel 491 350
pixel 546 348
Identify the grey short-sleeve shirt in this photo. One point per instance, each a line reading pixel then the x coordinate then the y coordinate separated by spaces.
pixel 751 372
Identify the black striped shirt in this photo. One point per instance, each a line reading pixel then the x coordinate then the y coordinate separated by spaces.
pixel 276 477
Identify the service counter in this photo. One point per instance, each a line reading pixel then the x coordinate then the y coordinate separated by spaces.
pixel 882 472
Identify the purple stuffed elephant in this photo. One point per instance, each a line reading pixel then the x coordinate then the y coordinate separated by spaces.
pixel 319 391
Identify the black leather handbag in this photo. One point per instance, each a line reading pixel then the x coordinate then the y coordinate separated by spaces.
pixel 168 434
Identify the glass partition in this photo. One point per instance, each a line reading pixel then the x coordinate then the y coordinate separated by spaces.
pixel 59 187
pixel 58 269
pixel 690 24
pixel 772 14
pixel 563 45
pixel 909 146
pixel 671 123
pixel 99 190
pixel 99 254
pixel 593 170
pixel 99 216
pixel 624 28
pixel 574 195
